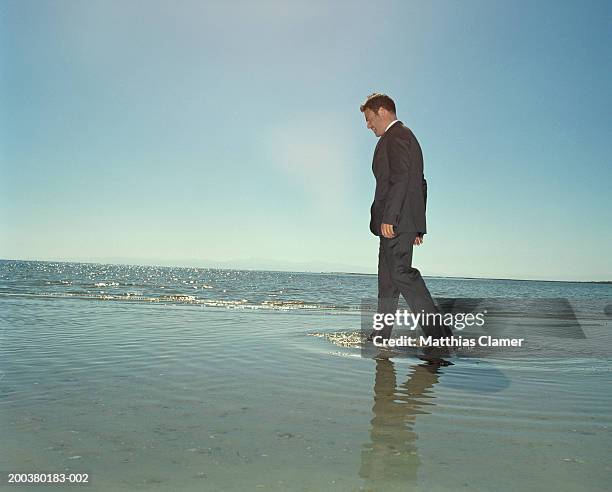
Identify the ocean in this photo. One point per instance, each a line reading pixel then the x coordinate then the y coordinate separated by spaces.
pixel 164 378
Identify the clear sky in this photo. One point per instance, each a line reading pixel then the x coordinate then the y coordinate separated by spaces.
pixel 229 132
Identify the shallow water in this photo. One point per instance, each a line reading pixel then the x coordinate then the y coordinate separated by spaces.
pixel 184 396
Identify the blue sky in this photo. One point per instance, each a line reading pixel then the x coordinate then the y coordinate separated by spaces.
pixel 229 132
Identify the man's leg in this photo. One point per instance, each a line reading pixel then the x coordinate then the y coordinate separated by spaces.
pixel 388 293
pixel 398 258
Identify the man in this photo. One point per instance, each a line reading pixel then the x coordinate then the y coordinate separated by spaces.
pixel 398 218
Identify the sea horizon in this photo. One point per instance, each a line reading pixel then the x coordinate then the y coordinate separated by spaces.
pixel 246 269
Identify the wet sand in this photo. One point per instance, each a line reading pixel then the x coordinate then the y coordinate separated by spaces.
pixel 172 397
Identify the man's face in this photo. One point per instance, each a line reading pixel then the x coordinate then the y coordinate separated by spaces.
pixel 375 121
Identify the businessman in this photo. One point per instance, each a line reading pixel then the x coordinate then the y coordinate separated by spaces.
pixel 398 218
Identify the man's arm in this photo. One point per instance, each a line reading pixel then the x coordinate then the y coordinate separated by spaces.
pixel 419 239
pixel 398 155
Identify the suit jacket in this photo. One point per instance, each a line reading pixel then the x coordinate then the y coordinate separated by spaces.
pixel 401 188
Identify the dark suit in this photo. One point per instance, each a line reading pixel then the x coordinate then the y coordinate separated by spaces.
pixel 401 192
pixel 401 188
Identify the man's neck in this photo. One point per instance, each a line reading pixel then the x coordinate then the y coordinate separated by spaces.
pixel 391 123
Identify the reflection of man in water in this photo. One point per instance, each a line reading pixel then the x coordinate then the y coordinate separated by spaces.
pixel 398 217
pixel 391 460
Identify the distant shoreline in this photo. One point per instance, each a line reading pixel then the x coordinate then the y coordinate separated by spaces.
pixel 307 272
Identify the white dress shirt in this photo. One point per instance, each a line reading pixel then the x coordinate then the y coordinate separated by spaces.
pixel 390 125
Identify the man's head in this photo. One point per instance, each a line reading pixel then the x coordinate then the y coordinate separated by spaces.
pixel 379 111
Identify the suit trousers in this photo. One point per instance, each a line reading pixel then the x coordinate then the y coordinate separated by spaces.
pixel 397 276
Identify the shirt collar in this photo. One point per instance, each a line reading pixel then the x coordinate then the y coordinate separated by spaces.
pixel 390 124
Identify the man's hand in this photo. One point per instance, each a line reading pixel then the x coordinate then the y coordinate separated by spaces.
pixel 418 240
pixel 387 231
